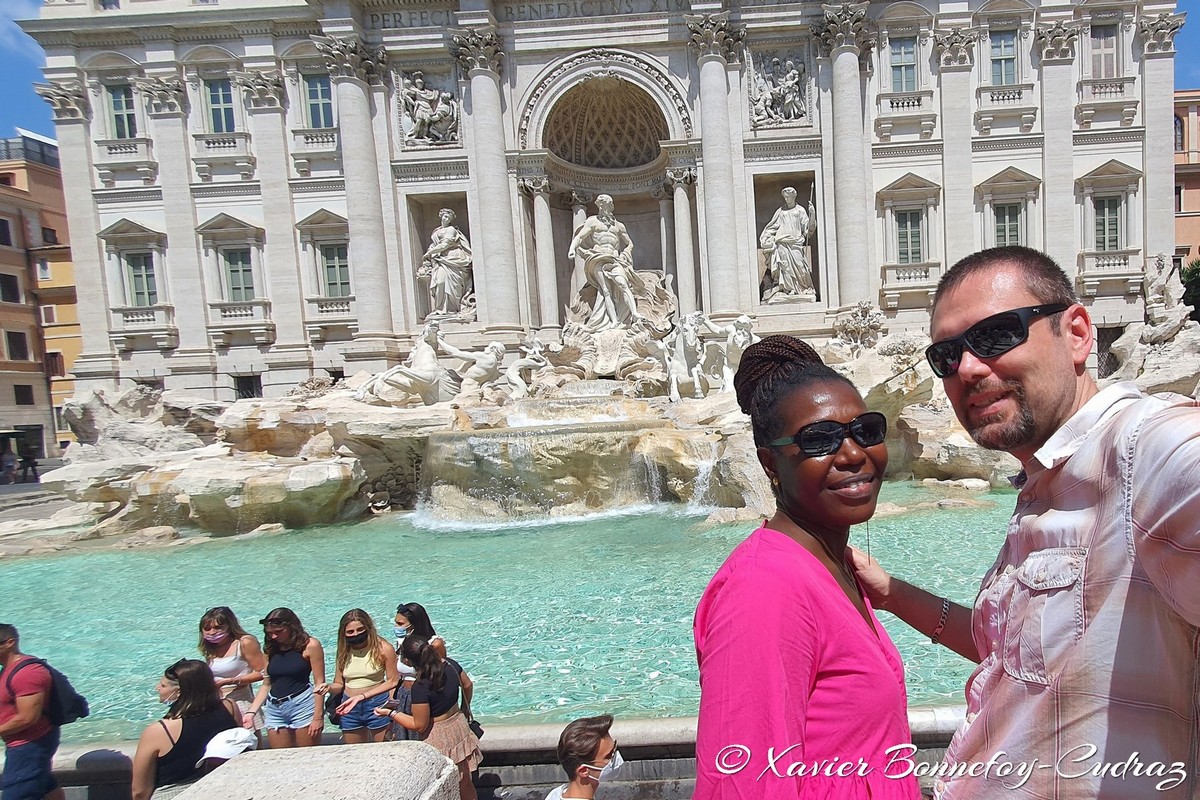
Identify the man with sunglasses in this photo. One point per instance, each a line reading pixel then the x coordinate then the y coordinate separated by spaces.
pixel 1087 628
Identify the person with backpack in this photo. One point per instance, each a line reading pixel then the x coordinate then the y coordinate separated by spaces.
pixel 30 738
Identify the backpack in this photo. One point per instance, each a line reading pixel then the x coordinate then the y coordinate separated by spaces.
pixel 65 705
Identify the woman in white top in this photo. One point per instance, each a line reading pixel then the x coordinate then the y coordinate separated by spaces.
pixel 411 619
pixel 234 656
pixel 364 677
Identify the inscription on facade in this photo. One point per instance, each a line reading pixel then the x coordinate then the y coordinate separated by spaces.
pixel 529 12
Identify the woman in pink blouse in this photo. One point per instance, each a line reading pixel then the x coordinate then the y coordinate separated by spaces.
pixel 801 690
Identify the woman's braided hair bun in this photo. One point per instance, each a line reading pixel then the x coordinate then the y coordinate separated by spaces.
pixel 765 359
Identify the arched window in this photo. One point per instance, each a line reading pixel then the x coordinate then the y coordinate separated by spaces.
pixel 1178 135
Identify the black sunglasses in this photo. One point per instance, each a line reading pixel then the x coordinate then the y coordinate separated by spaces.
pixel 825 437
pixel 990 337
pixel 172 671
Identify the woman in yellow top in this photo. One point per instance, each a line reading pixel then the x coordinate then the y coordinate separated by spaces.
pixel 364 677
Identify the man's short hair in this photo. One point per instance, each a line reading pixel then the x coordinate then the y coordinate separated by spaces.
pixel 579 741
pixel 1045 279
pixel 8 632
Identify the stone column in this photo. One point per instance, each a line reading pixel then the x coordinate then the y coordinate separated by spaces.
pixel 665 228
pixel 96 365
pixel 547 270
pixel 478 53
pixel 1057 46
pixel 579 203
pixel 685 259
pixel 184 272
pixel 844 38
pixel 353 66
pixel 717 43
pixel 956 60
pixel 290 358
pixel 1158 80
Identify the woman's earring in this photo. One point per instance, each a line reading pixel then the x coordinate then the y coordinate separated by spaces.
pixel 775 482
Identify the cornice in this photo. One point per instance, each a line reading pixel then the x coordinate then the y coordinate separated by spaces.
pixel 316 185
pixel 412 170
pixel 239 189
pixel 1115 136
pixel 881 151
pixel 781 149
pixel 105 197
pixel 1024 141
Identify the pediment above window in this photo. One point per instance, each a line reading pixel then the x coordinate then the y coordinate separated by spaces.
pixel 125 233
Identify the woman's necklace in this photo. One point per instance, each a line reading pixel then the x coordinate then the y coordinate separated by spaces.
pixel 841 562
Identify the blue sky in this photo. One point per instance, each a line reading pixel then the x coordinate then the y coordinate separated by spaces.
pixel 20 107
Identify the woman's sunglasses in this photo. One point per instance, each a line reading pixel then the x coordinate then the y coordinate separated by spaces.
pixel 825 437
pixel 988 338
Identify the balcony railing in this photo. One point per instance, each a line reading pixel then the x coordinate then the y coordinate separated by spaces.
pixel 1115 96
pixel 314 144
pixel 248 318
pixel 919 280
pixel 328 314
pixel 126 156
pixel 155 323
pixel 214 149
pixel 1111 272
pixel 1017 101
pixel 897 110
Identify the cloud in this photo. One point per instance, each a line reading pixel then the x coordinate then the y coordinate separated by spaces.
pixel 13 40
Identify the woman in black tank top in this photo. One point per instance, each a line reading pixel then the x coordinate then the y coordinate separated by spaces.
pixel 165 761
pixel 293 704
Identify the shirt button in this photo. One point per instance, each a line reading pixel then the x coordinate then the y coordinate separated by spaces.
pixel 971 717
pixel 1025 497
pixel 939 785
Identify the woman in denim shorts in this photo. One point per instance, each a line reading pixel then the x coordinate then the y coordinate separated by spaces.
pixel 364 676
pixel 289 700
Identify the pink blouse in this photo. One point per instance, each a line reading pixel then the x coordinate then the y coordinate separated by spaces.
pixel 798 697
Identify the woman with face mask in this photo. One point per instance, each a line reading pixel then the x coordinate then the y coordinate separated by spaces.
pixel 165 762
pixel 293 683
pixel 234 656
pixel 436 714
pixel 364 675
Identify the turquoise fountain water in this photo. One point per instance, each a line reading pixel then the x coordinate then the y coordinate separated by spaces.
pixel 553 620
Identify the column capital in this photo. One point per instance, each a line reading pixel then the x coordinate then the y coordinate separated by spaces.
pixel 1158 33
pixel 680 176
pixel 165 95
pixel 955 48
pixel 534 184
pixel 350 58
pixel 67 100
pixel 660 193
pixel 263 89
pixel 1057 41
pixel 715 35
pixel 476 48
pixel 844 25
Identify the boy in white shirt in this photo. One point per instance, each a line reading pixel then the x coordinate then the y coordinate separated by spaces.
pixel 588 755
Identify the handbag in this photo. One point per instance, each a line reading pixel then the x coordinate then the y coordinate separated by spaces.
pixel 332 701
pixel 476 728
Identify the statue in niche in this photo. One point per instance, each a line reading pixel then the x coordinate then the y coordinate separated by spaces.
pixel 788 278
pixel 446 265
pixel 481 369
pixel 430 115
pixel 420 379
pixel 607 252
pixel 777 93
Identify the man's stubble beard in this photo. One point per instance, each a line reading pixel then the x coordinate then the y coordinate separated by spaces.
pixel 993 434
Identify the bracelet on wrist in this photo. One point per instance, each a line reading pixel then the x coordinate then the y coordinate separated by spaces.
pixel 941 626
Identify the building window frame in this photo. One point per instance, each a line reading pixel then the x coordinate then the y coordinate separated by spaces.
pixel 14 351
pixel 44 271
pixel 1108 215
pixel 319 110
pixel 1004 66
pixel 49 314
pixel 910 236
pixel 237 273
pixel 903 57
pixel 141 280
pixel 123 119
pixel 1180 144
pixel 6 232
pixel 23 394
pixel 223 235
pixel 1111 50
pixel 220 104
pixel 335 269
pixel 10 290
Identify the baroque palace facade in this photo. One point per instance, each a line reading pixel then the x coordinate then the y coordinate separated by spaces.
pixel 253 184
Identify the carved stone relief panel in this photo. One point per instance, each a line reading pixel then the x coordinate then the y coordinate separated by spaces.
pixel 429 106
pixel 779 87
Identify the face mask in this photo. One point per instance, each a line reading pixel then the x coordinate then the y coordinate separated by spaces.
pixel 216 638
pixel 609 770
pixel 400 631
pixel 169 699
pixel 358 640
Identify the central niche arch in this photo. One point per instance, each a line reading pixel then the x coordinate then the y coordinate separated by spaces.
pixel 590 78
pixel 605 123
